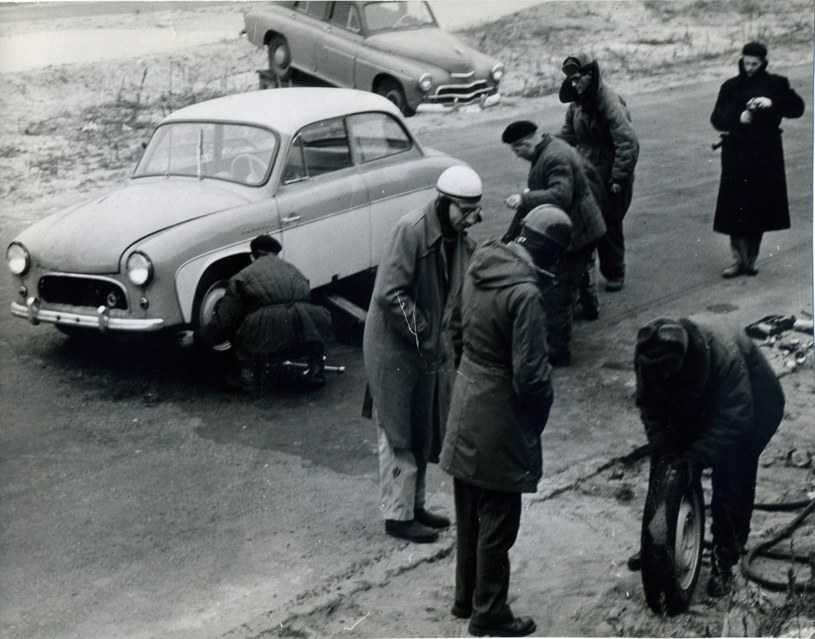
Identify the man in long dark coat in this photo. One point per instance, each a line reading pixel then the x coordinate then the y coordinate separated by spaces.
pixel 411 343
pixel 266 312
pixel 557 177
pixel 500 405
pixel 709 398
pixel 753 189
pixel 598 123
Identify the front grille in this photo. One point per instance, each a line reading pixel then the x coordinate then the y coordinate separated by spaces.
pixel 450 94
pixel 82 291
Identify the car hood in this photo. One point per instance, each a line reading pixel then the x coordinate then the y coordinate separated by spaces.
pixel 432 46
pixel 91 237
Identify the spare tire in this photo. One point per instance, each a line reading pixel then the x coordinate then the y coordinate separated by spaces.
pixel 673 526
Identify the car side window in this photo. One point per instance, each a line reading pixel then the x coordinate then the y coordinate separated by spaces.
pixel 377 135
pixel 317 10
pixel 346 16
pixel 317 149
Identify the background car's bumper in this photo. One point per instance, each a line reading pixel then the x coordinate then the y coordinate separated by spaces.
pixel 101 320
pixel 483 103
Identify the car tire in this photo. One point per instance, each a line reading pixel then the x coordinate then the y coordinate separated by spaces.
pixel 212 291
pixel 280 58
pixel 673 526
pixel 393 91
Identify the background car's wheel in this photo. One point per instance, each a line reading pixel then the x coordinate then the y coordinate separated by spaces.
pixel 213 291
pixel 280 58
pixel 673 526
pixel 392 90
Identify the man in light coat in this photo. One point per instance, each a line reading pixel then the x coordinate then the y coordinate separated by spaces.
pixel 709 398
pixel 411 343
pixel 500 405
pixel 557 177
pixel 599 125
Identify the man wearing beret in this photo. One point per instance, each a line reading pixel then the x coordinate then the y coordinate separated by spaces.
pixel 556 177
pixel 266 312
pixel 709 398
pixel 753 189
pixel 599 125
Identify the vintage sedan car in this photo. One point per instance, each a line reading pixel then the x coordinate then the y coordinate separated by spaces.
pixel 395 49
pixel 325 171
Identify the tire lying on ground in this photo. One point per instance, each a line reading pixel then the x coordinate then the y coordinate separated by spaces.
pixel 673 525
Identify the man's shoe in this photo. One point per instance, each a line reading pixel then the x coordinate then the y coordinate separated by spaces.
pixel 427 518
pixel 559 360
pixel 411 530
pixel 590 314
pixel 732 271
pixel 720 583
pixel 515 627
pixel 750 269
pixel 635 562
pixel 612 286
pixel 460 610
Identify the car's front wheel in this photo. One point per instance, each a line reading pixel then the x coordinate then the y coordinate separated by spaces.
pixel 392 90
pixel 280 58
pixel 213 292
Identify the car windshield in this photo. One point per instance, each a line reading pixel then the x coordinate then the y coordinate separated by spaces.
pixel 234 152
pixel 392 16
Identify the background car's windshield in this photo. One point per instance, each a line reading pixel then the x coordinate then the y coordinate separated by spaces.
pixel 397 15
pixel 234 152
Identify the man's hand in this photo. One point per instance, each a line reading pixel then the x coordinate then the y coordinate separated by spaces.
pixel 746 117
pixel 689 467
pixel 513 201
pixel 616 188
pixel 759 103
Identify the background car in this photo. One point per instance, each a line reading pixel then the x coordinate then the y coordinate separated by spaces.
pixel 325 171
pixel 395 49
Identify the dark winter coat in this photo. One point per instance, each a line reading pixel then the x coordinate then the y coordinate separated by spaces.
pixel 599 125
pixel 267 309
pixel 557 176
pixel 725 397
pixel 413 331
pixel 502 393
pixel 753 188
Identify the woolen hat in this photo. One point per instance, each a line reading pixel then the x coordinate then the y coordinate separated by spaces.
pixel 756 49
pixel 661 347
pixel 518 131
pixel 575 63
pixel 265 244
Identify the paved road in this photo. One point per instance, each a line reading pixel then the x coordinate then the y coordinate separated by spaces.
pixel 139 499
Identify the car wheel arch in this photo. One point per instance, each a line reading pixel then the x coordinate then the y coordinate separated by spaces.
pixel 394 89
pixel 223 269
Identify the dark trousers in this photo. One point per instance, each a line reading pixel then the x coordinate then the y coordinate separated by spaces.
pixel 559 296
pixel 745 248
pixel 611 247
pixel 487 523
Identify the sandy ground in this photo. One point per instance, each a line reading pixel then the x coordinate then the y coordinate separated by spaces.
pixel 72 128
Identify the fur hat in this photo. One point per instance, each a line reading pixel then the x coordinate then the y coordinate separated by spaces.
pixel 575 63
pixel 265 244
pixel 755 49
pixel 518 131
pixel 661 347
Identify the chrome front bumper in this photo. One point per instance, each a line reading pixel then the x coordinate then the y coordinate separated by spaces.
pixel 433 107
pixel 102 320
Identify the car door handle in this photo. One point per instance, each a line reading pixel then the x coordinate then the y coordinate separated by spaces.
pixel 291 219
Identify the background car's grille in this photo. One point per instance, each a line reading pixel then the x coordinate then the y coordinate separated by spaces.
pixel 82 291
pixel 450 94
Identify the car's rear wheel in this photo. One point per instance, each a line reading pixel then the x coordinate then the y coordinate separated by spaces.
pixel 213 291
pixel 280 58
pixel 392 90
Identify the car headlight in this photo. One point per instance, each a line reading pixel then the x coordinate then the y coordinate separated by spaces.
pixel 18 258
pixel 426 82
pixel 139 269
pixel 497 72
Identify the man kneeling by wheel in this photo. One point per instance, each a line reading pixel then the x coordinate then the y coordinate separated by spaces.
pixel 709 398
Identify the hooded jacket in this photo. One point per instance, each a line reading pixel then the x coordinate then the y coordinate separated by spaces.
pixel 599 125
pixel 725 397
pixel 753 188
pixel 502 392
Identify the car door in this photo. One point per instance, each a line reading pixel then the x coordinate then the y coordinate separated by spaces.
pixel 304 32
pixel 323 205
pixel 342 38
pixel 397 177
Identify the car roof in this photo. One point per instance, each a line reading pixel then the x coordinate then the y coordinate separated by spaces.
pixel 285 109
